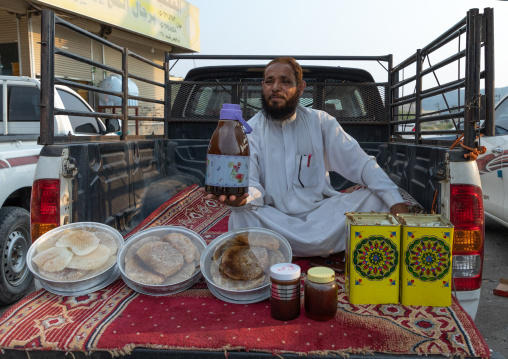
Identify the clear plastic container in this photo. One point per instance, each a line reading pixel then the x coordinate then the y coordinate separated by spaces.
pixel 320 294
pixel 72 281
pixel 285 291
pixel 240 291
pixel 182 263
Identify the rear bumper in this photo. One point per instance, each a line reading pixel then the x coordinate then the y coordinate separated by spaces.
pixel 469 300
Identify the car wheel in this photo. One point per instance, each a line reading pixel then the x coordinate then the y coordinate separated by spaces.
pixel 16 278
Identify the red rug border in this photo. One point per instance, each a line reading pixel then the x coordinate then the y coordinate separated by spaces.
pixel 128 348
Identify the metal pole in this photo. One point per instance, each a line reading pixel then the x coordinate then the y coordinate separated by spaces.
pixel 167 96
pixel 418 100
pixel 476 104
pixel 395 94
pixel 458 90
pixel 47 78
pixel 471 92
pixel 389 95
pixel 488 16
pixel 125 91
pixel 478 19
pixel 20 63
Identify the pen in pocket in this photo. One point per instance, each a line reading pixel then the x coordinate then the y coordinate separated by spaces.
pixel 308 160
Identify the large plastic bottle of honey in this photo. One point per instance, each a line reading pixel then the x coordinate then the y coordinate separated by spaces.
pixel 227 159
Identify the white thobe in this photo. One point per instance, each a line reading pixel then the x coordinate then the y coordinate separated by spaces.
pixel 289 184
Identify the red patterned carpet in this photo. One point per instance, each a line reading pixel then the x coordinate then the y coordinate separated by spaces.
pixel 117 319
pixel 192 210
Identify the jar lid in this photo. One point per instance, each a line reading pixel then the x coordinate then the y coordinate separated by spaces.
pixel 321 274
pixel 285 271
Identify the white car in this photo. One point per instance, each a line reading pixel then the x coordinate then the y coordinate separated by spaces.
pixel 19 153
pixel 493 167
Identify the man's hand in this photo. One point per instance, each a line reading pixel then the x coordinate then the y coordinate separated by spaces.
pixel 232 201
pixel 399 208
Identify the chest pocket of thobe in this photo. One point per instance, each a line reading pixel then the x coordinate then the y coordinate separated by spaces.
pixel 306 171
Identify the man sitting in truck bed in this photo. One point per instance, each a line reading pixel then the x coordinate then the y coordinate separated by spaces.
pixel 292 148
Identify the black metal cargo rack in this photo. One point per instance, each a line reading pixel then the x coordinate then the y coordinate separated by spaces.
pixel 479 34
pixel 479 31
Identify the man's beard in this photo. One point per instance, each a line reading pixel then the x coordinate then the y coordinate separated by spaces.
pixel 280 113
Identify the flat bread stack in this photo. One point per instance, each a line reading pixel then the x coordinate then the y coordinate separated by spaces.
pixel 242 262
pixel 163 260
pixel 75 254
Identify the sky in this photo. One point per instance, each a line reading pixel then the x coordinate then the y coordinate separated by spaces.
pixel 339 27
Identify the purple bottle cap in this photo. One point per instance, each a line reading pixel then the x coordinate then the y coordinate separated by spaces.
pixel 229 110
pixel 232 111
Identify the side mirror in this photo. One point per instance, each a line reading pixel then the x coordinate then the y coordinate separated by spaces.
pixel 113 125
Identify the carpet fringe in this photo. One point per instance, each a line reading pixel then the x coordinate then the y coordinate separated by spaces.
pixel 344 353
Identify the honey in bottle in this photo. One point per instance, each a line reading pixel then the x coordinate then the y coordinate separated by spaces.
pixel 227 157
pixel 320 295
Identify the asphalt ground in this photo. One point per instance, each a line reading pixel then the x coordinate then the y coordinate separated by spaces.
pixel 492 316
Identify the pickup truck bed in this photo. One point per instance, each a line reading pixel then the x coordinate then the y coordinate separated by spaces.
pixel 121 183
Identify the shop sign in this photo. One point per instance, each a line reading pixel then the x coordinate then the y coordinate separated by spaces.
pixel 173 21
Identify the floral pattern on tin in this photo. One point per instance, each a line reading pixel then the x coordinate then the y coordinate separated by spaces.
pixel 375 257
pixel 428 258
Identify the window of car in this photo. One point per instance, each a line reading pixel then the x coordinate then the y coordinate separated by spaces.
pixel 208 100
pixel 502 126
pixel 80 124
pixel 344 100
pixel 341 100
pixel 501 112
pixel 203 99
pixel 23 102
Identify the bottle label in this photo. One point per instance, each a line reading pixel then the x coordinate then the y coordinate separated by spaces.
pixel 285 292
pixel 227 171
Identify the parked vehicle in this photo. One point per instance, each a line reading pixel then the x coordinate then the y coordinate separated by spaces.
pixel 492 166
pixel 492 163
pixel 19 152
pixel 120 181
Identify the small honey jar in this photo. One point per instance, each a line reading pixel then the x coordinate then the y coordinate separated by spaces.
pixel 320 294
pixel 285 291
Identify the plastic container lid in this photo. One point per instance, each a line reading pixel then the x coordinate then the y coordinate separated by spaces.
pixel 321 274
pixel 229 111
pixel 285 271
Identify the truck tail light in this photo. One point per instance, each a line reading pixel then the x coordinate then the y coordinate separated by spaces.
pixel 44 207
pixel 466 214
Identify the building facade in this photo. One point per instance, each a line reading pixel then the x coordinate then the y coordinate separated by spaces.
pixel 148 28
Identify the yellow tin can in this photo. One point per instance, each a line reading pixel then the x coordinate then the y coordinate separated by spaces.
pixel 372 258
pixel 426 263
